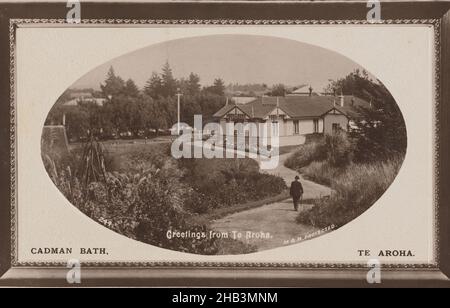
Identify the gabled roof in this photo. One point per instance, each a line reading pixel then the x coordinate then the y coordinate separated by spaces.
pixel 224 110
pixel 307 106
pixel 298 107
pixel 227 108
pixel 257 110
pixel 301 89
pixel 334 110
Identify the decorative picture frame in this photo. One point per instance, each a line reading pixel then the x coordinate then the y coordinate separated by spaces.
pixel 13 16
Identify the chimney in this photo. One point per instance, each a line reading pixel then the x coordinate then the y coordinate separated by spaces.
pixel 310 90
pixel 226 103
pixel 253 112
pixel 278 105
pixel 342 99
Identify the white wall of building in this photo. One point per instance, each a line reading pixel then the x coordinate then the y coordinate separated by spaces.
pixel 331 119
pixel 285 129
pixel 306 127
pixel 289 128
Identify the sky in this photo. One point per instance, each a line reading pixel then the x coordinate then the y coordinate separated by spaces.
pixel 234 58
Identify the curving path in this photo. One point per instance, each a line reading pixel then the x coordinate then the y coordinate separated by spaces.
pixel 270 225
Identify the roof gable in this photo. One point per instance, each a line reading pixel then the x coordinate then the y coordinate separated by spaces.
pixel 335 111
pixel 223 111
pixel 234 109
pixel 277 111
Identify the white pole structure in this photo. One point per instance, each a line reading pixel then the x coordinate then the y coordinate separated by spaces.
pixel 179 111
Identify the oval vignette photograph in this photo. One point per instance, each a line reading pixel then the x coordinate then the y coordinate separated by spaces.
pixel 225 144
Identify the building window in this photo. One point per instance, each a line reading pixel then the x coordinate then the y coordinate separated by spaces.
pixel 275 131
pixel 296 127
pixel 316 125
pixel 274 117
pixel 336 127
pixel 236 117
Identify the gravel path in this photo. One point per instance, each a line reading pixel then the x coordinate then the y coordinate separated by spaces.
pixel 271 225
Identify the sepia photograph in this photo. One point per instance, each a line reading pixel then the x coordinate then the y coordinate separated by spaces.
pixel 133 145
pixel 211 144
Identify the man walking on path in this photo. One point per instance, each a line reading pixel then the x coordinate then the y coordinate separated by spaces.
pixel 296 191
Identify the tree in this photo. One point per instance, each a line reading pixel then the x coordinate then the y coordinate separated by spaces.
pixel 169 83
pixel 193 85
pixel 135 111
pixel 77 124
pixel 114 85
pixel 182 85
pixel 278 90
pixel 56 114
pixel 131 89
pixel 381 129
pixel 149 112
pixel 127 109
pixel 164 111
pixel 190 107
pixel 93 116
pixel 219 87
pixel 153 87
pixel 209 104
pixel 114 108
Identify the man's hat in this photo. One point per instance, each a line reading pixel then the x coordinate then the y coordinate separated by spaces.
pixel 297 177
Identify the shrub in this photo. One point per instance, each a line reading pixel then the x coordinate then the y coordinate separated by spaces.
pixel 321 172
pixel 136 158
pixel 339 149
pixel 141 206
pixel 200 203
pixel 356 189
pixel 145 203
pixel 226 182
pixel 309 152
pixel 261 186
